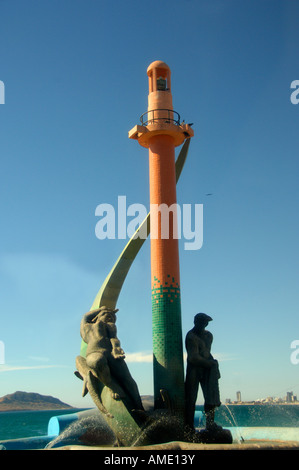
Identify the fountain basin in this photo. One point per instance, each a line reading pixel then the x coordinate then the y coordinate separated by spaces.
pixel 244 438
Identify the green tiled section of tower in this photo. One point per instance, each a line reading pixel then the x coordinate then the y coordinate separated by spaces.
pixel 167 339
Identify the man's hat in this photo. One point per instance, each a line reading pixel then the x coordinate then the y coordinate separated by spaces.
pixel 202 317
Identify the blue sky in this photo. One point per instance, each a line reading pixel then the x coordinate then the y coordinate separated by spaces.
pixel 75 84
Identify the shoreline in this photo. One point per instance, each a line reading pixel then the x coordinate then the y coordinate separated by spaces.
pixel 19 410
pixel 258 403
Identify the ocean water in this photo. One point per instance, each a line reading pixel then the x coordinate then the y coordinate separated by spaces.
pixel 21 424
pixel 265 415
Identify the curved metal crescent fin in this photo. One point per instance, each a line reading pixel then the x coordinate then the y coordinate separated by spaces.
pixel 111 287
pixel 180 161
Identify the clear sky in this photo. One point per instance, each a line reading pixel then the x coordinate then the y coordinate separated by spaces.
pixel 75 83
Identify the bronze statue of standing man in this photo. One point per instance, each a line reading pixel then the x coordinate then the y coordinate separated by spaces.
pixel 202 369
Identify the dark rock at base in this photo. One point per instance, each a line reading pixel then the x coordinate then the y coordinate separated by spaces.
pixel 217 435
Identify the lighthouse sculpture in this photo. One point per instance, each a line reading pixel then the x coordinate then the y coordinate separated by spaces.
pixel 161 132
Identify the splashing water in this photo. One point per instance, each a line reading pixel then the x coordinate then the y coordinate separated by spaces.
pixel 240 439
pixel 162 427
pixel 86 431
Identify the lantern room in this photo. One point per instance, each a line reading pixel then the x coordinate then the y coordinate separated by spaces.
pixel 159 82
pixel 159 77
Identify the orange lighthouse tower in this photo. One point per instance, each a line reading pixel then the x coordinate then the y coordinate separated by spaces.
pixel 161 131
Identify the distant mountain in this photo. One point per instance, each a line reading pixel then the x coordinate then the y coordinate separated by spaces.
pixel 148 402
pixel 19 401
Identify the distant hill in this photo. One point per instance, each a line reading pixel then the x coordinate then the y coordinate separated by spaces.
pixel 148 402
pixel 19 401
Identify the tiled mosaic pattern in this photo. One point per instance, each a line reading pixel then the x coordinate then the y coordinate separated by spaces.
pixel 171 289
pixel 167 334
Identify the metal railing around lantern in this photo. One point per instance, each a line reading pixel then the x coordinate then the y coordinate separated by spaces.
pixel 157 115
